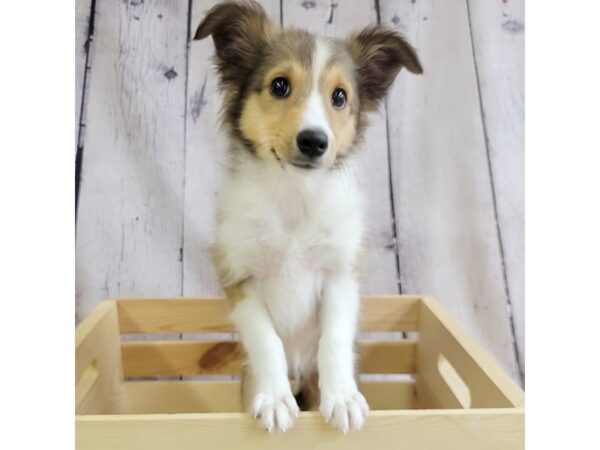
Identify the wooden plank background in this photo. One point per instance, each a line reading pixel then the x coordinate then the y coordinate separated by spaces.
pixel 442 161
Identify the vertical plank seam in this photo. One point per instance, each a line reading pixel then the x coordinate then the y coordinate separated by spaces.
pixel 378 12
pixel 494 202
pixel 81 126
pixel 392 200
pixel 280 13
pixel 185 118
pixel 390 183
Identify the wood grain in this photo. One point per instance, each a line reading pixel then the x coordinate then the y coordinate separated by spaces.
pixel 498 33
pixel 209 315
pixel 156 397
pixel 491 429
pixel 447 232
pixel 159 358
pixel 339 19
pixel 130 218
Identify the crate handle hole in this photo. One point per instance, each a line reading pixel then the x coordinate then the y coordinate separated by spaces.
pixel 454 381
pixel 87 380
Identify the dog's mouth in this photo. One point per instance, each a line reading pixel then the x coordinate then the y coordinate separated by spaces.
pixel 300 162
pixel 305 164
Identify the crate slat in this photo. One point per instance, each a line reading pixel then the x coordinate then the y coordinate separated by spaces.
pixel 209 315
pixel 490 429
pixel 169 397
pixel 160 358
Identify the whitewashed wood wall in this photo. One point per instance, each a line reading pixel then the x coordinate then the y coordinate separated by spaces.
pixel 443 158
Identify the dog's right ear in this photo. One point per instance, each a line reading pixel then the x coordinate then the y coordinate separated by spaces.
pixel 239 31
pixel 379 55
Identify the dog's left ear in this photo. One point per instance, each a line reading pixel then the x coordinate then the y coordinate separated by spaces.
pixel 379 55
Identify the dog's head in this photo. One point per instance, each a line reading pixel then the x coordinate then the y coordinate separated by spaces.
pixel 296 99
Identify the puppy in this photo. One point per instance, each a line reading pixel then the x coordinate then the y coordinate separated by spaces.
pixel 289 223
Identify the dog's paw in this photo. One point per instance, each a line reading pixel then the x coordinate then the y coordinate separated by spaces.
pixel 276 411
pixel 344 411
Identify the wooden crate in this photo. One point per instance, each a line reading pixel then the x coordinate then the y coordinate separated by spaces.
pixel 452 395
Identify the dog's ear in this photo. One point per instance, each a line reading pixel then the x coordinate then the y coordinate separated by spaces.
pixel 239 30
pixel 379 55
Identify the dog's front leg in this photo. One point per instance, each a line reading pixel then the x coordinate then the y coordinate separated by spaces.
pixel 342 405
pixel 271 396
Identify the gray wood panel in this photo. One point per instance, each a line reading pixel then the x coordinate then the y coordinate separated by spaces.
pixel 498 33
pixel 447 231
pixel 130 218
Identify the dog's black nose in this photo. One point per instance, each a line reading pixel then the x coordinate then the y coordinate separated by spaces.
pixel 312 143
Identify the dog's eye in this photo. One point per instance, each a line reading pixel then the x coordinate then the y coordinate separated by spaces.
pixel 338 98
pixel 280 87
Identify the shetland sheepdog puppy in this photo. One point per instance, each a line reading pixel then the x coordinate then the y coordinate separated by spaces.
pixel 289 233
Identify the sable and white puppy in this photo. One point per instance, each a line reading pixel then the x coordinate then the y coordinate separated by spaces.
pixel 289 224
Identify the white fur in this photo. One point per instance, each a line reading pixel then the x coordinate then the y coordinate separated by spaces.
pixel 314 115
pixel 294 235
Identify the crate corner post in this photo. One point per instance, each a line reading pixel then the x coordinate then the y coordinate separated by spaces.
pixel 98 365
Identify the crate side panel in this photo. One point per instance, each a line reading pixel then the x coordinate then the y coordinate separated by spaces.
pixel 409 430
pixel 480 374
pixel 152 358
pixel 209 315
pixel 154 397
pixel 198 315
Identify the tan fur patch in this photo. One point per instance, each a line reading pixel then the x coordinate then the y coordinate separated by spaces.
pixel 342 121
pixel 220 264
pixel 271 123
pixel 235 293
pixel 234 289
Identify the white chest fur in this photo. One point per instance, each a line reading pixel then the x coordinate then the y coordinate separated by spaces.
pixel 288 230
